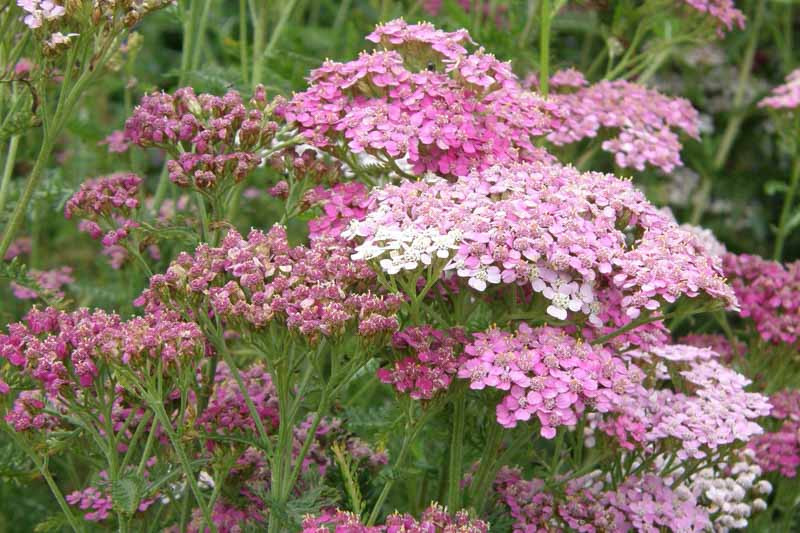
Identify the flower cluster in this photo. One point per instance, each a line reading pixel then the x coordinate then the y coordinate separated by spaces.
pixel 48 283
pixel 227 410
pixel 769 295
pixel 715 410
pixel 214 141
pixel 723 11
pixel 717 343
pixel 589 503
pixel 645 119
pixel 432 364
pixel 779 451
pixel 105 206
pixel 423 97
pixel 731 493
pixel 317 290
pixel 546 374
pixel 563 232
pixel 340 204
pixel 786 96
pixel 434 519
pixel 63 352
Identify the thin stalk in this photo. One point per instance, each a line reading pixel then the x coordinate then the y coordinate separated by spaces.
pixel 243 40
pixel 456 453
pixel 22 204
pixel 786 211
pixel 735 123
pixel 8 169
pixel 387 487
pixel 277 32
pixel 163 419
pixel 544 49
pixel 259 16
pixel 486 467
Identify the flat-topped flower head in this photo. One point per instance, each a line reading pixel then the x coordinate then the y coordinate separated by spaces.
pixel 431 365
pixel 214 141
pixel 568 235
pixel 546 375
pixel 723 13
pixel 645 123
pixel 425 98
pixel 714 410
pixel 253 281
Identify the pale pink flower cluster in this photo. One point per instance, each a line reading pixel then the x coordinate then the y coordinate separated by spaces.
pixel 786 96
pixel 40 11
pixel 545 374
pixel 425 98
pixel 715 410
pixel 590 504
pixel 644 120
pixel 563 232
pixel 724 11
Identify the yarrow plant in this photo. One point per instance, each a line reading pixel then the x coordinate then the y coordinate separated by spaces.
pixel 412 295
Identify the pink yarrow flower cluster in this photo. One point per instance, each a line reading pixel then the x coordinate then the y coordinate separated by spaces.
pixel 39 12
pixel 340 204
pixel 723 11
pixel 645 120
pixel 227 410
pixel 63 352
pixel 589 503
pixel 424 98
pixel 105 206
pixel 715 411
pixel 563 232
pixel 779 450
pixel 545 374
pixel 214 141
pixel 434 519
pixel 49 283
pixel 786 96
pixel 769 295
pixel 250 282
pixel 432 364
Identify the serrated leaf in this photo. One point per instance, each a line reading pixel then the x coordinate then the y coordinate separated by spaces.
pixel 125 494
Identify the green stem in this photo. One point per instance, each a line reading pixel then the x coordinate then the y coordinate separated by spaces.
pixel 486 467
pixel 259 34
pixel 163 419
pixel 8 169
pixel 735 123
pixel 243 40
pixel 22 204
pixel 786 211
pixel 387 487
pixel 456 453
pixel 544 49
